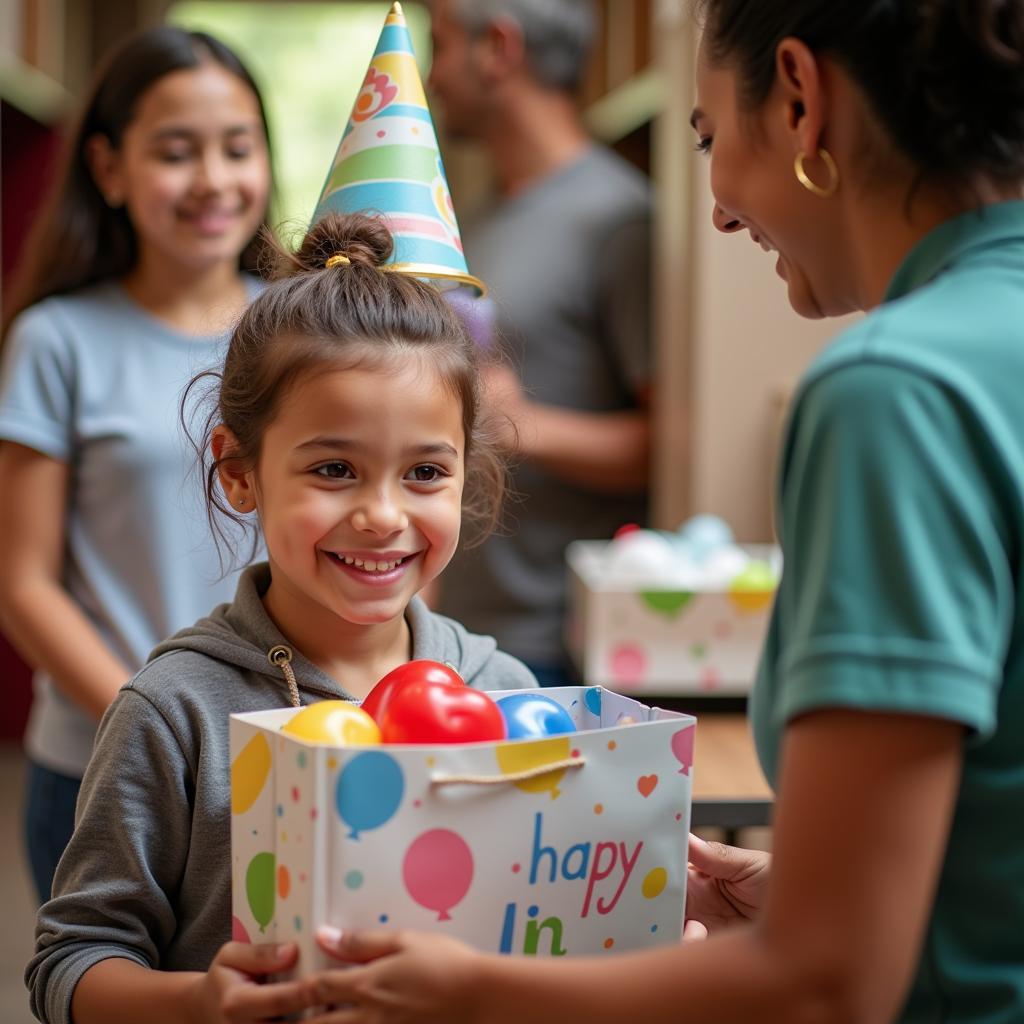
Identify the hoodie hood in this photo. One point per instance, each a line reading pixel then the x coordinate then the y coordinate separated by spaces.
pixel 242 634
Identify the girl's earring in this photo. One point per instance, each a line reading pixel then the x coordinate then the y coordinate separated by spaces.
pixel 241 502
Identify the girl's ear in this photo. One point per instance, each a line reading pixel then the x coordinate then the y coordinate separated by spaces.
pixel 105 165
pixel 235 479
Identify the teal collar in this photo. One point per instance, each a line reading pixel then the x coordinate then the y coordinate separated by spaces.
pixel 987 225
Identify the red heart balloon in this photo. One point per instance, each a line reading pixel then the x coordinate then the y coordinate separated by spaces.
pixel 431 712
pixel 420 671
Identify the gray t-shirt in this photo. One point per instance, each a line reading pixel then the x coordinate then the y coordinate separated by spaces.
pixel 93 380
pixel 567 262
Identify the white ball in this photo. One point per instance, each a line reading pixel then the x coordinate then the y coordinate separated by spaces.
pixel 723 565
pixel 638 557
pixel 705 534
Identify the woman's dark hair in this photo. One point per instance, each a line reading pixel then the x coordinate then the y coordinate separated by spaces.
pixel 79 239
pixel 345 316
pixel 944 77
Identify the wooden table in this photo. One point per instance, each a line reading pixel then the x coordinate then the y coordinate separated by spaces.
pixel 729 789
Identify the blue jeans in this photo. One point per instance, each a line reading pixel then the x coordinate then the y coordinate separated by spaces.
pixel 49 821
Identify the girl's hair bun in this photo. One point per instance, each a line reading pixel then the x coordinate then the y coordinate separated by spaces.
pixel 361 239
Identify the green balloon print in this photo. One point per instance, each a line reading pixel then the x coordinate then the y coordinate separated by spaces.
pixel 666 602
pixel 259 888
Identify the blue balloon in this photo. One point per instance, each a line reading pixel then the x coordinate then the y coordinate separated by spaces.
pixel 369 790
pixel 529 715
pixel 592 698
pixel 705 534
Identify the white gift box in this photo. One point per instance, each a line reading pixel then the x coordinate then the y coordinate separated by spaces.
pixel 564 845
pixel 659 639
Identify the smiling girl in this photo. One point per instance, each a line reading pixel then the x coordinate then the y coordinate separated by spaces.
pixel 347 428
pixel 131 282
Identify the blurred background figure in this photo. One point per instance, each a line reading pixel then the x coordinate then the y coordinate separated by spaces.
pixel 564 249
pixel 133 276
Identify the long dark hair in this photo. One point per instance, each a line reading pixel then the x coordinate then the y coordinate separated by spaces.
pixel 945 78
pixel 79 239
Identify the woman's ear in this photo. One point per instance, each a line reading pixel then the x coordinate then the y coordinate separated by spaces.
pixel 235 479
pixel 105 166
pixel 798 72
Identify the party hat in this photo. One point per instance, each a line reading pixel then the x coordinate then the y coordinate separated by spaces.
pixel 389 163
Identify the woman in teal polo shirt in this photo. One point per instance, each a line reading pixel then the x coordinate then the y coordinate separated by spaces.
pixel 877 147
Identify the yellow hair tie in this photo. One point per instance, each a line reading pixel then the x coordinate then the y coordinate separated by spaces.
pixel 337 260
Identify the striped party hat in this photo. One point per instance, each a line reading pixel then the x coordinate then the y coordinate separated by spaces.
pixel 389 163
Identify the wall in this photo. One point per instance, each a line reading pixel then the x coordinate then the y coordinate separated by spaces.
pixel 749 348
pixel 729 348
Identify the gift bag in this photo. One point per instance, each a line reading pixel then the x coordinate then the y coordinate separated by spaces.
pixel 573 844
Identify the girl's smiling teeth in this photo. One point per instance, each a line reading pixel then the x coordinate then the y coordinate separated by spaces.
pixel 368 564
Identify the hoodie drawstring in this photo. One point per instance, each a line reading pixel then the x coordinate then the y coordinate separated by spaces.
pixel 281 656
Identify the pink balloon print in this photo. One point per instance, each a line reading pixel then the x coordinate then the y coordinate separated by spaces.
pixel 709 678
pixel 438 870
pixel 238 932
pixel 682 748
pixel 628 665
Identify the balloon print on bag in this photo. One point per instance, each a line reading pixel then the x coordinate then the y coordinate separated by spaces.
pixel 259 888
pixel 369 791
pixel 438 870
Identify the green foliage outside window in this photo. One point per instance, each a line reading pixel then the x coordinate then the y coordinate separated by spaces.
pixel 309 60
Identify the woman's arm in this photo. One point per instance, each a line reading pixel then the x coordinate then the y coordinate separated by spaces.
pixel 863 815
pixel 37 615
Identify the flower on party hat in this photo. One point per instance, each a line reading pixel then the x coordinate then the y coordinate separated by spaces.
pixel 388 162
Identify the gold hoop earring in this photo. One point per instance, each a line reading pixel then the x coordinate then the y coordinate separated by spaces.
pixel 823 192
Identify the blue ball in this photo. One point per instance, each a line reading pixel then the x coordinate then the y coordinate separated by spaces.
pixel 705 534
pixel 530 715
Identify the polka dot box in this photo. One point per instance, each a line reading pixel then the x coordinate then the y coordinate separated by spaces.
pixel 662 640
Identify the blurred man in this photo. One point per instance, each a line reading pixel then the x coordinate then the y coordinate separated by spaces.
pixel 564 251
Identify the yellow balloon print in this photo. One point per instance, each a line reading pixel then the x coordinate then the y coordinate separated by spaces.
pixel 654 881
pixel 521 756
pixel 249 773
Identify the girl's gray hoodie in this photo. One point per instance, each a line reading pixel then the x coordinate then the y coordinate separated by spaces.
pixel 147 873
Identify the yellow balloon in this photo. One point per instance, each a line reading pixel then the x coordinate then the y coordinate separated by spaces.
pixel 653 883
pixel 754 589
pixel 334 722
pixel 249 773
pixel 520 756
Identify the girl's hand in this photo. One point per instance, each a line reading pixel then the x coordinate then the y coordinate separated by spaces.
pixel 725 885
pixel 234 990
pixel 405 976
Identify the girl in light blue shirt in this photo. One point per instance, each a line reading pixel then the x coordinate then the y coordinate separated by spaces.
pixel 132 280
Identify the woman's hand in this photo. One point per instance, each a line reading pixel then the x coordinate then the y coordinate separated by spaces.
pixel 404 975
pixel 725 885
pixel 235 989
